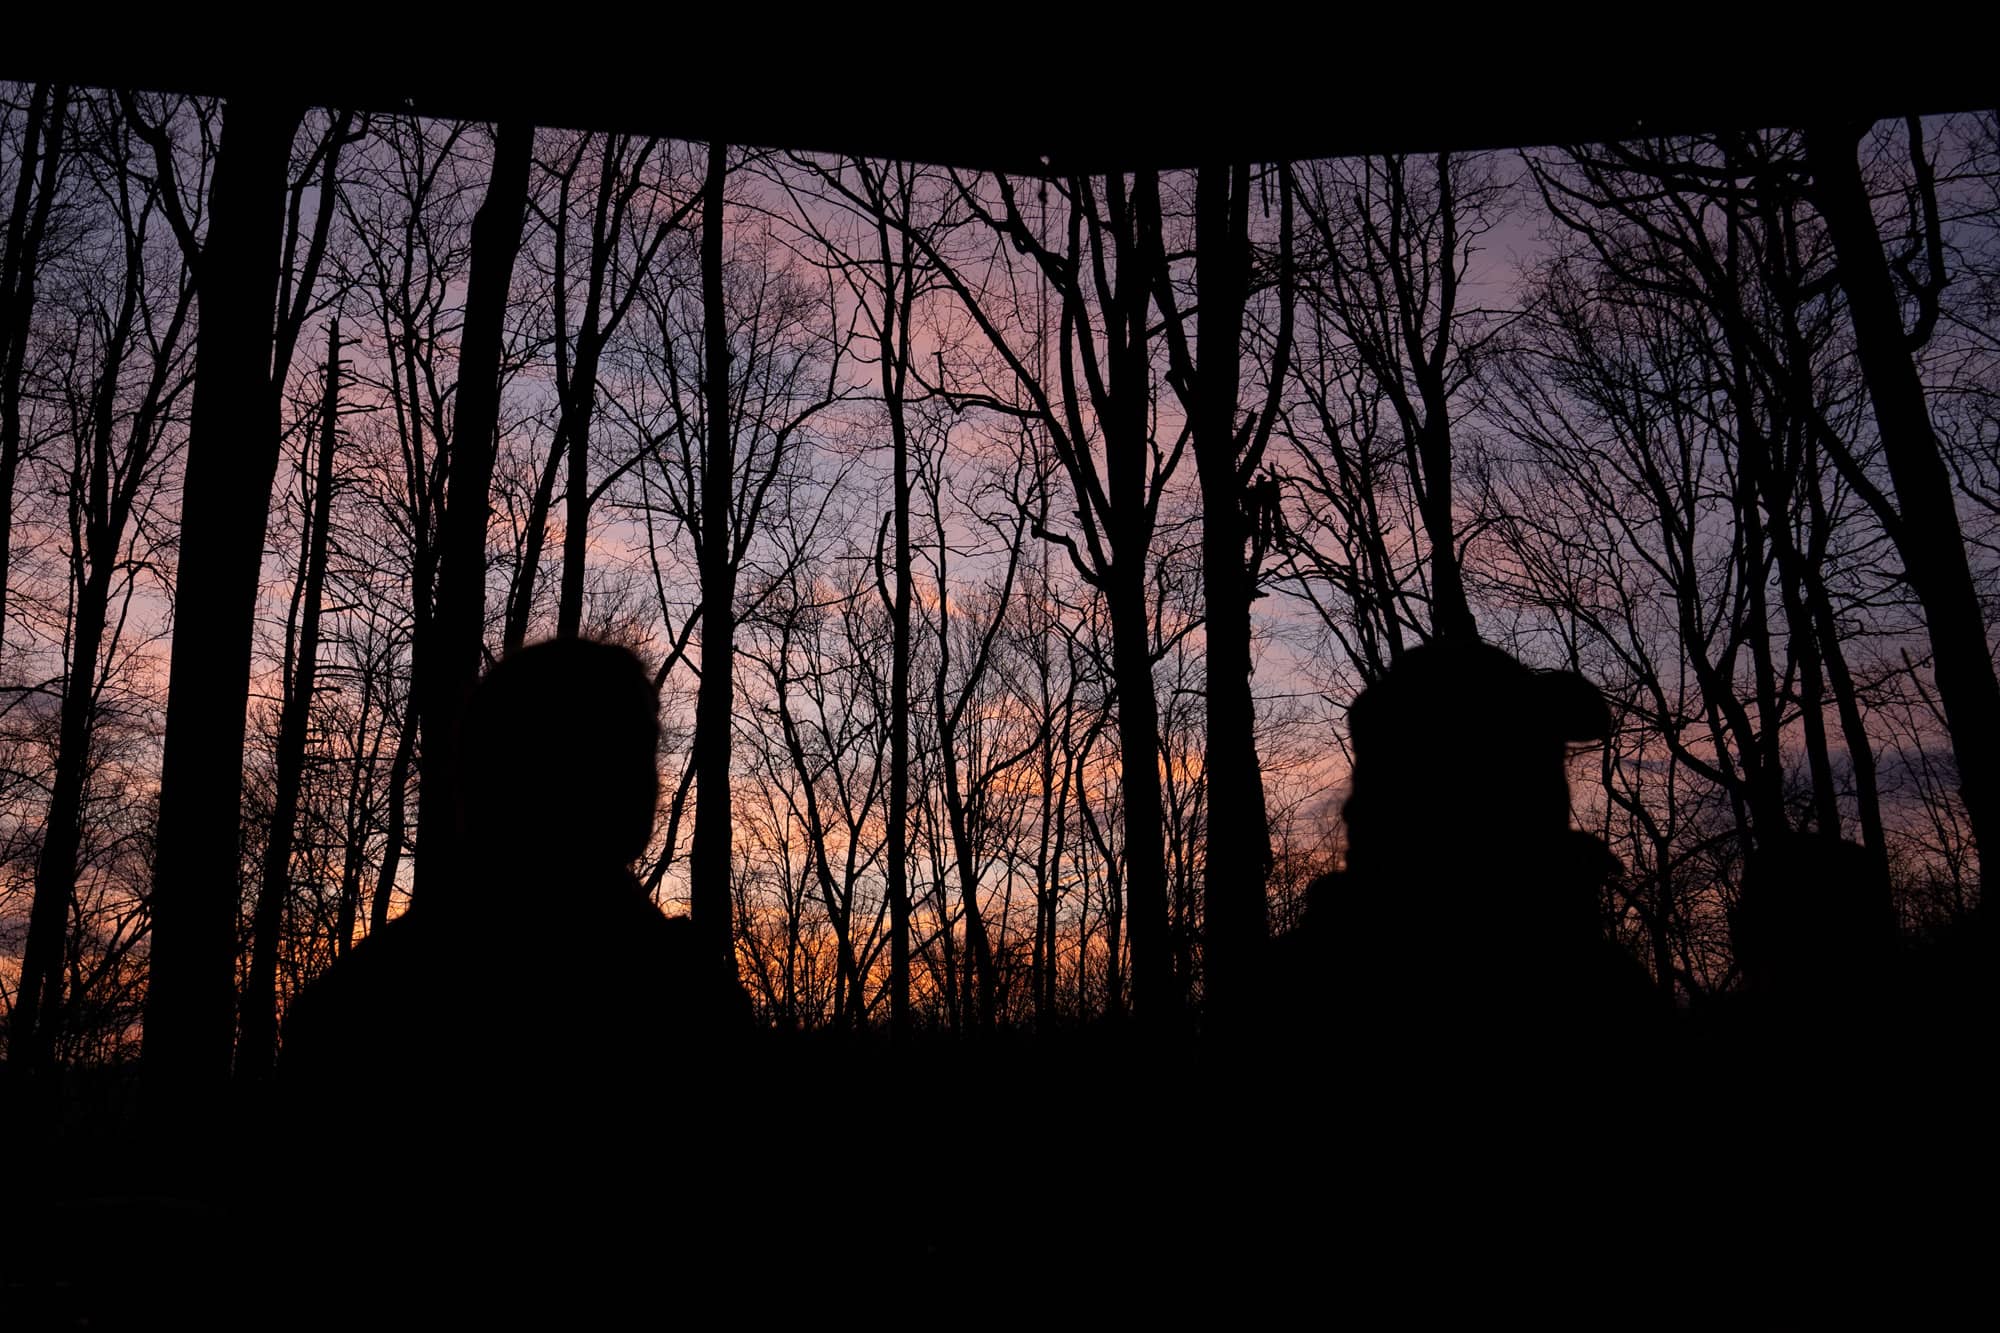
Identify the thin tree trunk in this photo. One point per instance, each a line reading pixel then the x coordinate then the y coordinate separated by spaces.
pixel 447 664
pixel 1853 728
pixel 521 596
pixel 576 525
pixel 360 801
pixel 27 222
pixel 979 979
pixel 1762 764
pixel 709 858
pixel 1139 784
pixel 1114 906
pixel 576 384
pixel 257 1051
pixel 38 998
pixel 895 351
pixel 102 495
pixel 397 831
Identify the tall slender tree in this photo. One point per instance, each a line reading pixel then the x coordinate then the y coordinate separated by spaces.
pixel 622 172
pixel 257 1047
pixel 710 857
pixel 447 666
pixel 1397 238
pixel 1098 417
pixel 38 167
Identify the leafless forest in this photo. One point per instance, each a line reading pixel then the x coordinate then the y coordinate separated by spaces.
pixel 1007 549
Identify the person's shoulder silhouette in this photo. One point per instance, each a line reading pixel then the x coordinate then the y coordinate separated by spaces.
pixel 1814 928
pixel 510 1049
pixel 534 965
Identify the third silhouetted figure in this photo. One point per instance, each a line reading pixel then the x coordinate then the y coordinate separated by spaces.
pixel 1470 909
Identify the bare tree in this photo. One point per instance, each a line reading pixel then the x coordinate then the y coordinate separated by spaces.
pixel 136 324
pixel 1397 238
pixel 1924 523
pixel 727 440
pixel 1237 514
pixel 257 1046
pixel 407 217
pixel 623 172
pixel 37 169
pixel 447 664
pixel 1100 403
pixel 885 285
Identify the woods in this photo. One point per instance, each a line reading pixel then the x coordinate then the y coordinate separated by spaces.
pixel 1007 549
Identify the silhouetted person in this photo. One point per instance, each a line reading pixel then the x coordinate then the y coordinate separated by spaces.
pixel 1470 909
pixel 511 1046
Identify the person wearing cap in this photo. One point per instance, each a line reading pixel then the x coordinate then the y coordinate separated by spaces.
pixel 1469 910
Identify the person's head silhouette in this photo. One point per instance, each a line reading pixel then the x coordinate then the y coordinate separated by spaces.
pixel 1459 757
pixel 1477 905
pixel 558 759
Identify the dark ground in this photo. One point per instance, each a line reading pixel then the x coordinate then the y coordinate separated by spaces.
pixel 1019 1178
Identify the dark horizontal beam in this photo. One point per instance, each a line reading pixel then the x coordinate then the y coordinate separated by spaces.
pixel 1046 114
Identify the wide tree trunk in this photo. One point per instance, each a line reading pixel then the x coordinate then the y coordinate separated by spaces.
pixel 1929 537
pixel 1238 864
pixel 1128 467
pixel 232 458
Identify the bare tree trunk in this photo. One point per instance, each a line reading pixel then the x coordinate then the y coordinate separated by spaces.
pixel 1238 864
pixel 1929 536
pixel 1451 613
pixel 27 222
pixel 579 401
pixel 1114 905
pixel 257 1051
pixel 1056 718
pixel 1806 651
pixel 1762 763
pixel 1115 915
pixel 895 351
pixel 709 858
pixel 1853 727
pixel 576 503
pixel 360 804
pixel 96 530
pixel 234 440
pixel 397 831
pixel 979 976
pixel 447 663
pixel 839 906
pixel 1129 464
pixel 521 595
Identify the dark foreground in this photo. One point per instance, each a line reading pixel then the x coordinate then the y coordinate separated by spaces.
pixel 1019 1180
